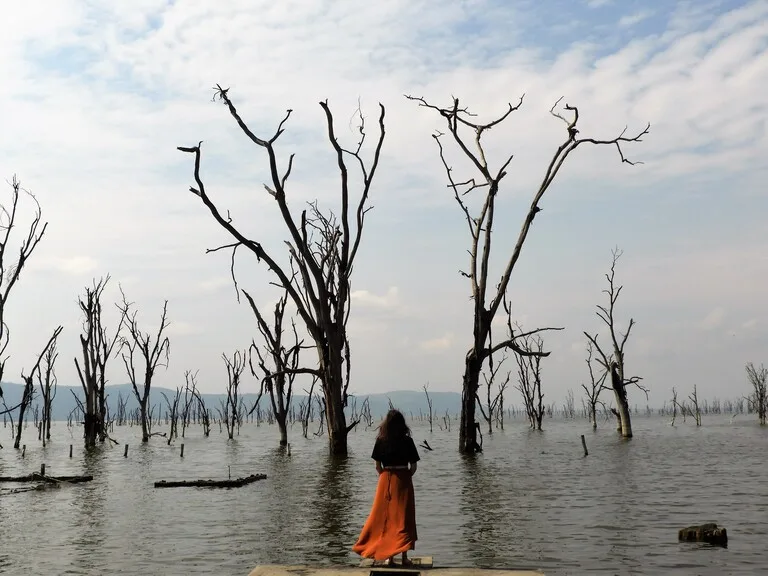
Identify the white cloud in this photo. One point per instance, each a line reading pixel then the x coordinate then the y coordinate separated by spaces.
pixel 364 298
pixel 72 265
pixel 714 319
pixel 437 345
pixel 102 96
pixel 215 284
pixel 635 18
pixel 179 328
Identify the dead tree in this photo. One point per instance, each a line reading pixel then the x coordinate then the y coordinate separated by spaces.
pixel 202 411
pixel 486 299
pixel 121 409
pixel 758 400
pixel 675 404
pixel 97 347
pixel 47 381
pixel 29 385
pixel 322 251
pixel 429 406
pixel 614 363
pixel 494 389
pixel 140 348
pixel 278 363
pixel 305 408
pixel 596 386
pixel 10 269
pixel 229 412
pixel 190 384
pixel 529 378
pixel 173 414
pixel 569 408
pixel 695 410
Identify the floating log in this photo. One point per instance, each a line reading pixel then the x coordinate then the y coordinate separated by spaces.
pixel 709 533
pixel 229 483
pixel 36 477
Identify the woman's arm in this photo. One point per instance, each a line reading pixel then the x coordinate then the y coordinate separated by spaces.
pixel 379 469
pixel 413 468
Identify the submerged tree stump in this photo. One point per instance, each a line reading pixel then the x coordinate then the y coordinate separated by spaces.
pixel 229 483
pixel 708 533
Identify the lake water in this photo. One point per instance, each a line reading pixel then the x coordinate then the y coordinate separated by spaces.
pixel 531 500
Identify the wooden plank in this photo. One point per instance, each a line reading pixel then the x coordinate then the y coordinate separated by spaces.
pixel 418 562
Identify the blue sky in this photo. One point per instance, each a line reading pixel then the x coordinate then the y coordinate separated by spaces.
pixel 102 94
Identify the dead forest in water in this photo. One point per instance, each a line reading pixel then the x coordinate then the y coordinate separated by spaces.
pixel 304 337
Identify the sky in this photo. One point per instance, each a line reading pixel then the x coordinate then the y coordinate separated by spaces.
pixel 98 96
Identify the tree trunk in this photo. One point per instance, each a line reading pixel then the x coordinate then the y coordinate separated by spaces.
pixel 20 424
pixel 625 422
pixel 593 416
pixel 467 430
pixel 102 414
pixel 144 428
pixel 89 430
pixel 333 386
pixel 283 429
pixel 90 424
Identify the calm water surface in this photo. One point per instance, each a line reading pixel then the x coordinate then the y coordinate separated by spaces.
pixel 530 500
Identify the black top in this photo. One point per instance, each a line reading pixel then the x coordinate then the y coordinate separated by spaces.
pixel 397 453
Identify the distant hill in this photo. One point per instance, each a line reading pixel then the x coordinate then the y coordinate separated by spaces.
pixel 410 402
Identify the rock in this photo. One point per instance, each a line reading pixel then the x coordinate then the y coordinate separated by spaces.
pixel 709 533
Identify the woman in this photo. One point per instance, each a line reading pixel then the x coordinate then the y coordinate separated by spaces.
pixel 391 525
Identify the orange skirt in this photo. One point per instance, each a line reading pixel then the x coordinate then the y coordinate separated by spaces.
pixel 391 525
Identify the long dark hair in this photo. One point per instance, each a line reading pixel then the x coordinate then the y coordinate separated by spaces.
pixel 393 427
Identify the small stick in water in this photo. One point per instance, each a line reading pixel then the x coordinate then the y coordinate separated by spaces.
pixel 584 444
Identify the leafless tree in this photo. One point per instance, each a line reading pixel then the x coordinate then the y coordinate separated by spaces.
pixel 278 362
pixel 367 417
pixel 487 300
pixel 614 363
pixel 121 412
pixel 47 381
pixel 429 406
pixel 494 389
pixel 695 410
pixel 10 269
pixel 149 353
pixel 675 404
pixel 529 378
pixel 229 411
pixel 173 413
pixel 97 347
pixel 596 386
pixel 305 408
pixel 29 385
pixel 569 408
pixel 190 385
pixel 202 410
pixel 758 400
pixel 322 251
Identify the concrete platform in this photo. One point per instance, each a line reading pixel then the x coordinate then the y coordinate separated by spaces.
pixel 418 563
pixel 282 570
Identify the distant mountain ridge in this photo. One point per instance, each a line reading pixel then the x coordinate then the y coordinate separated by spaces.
pixel 409 401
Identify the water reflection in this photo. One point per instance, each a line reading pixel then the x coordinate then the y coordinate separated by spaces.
pixel 89 504
pixel 480 508
pixel 333 515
